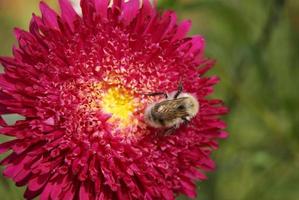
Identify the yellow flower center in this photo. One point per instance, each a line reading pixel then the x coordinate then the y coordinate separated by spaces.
pixel 121 104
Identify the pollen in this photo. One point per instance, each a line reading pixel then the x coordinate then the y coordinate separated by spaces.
pixel 120 104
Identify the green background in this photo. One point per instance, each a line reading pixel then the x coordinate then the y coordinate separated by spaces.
pixel 256 45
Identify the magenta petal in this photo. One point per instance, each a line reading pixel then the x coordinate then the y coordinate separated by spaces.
pixel 167 194
pixel 84 192
pixel 18 169
pixel 18 32
pixel 205 66
pixel 49 15
pixel 6 145
pixel 101 8
pixel 88 11
pixel 53 187
pixel 68 13
pixel 223 134
pixel 3 110
pixel 57 187
pixel 182 30
pixel 69 193
pixel 195 174
pixel 198 45
pixel 38 181
pixel 11 63
pixel 56 191
pixel 5 84
pixel 129 11
pixel 2 122
pixel 22 177
pixel 167 23
pixel 147 8
pixel 45 195
pixel 30 194
pixel 189 188
pixel 17 53
pixel 171 19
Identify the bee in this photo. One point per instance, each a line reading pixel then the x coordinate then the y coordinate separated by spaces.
pixel 178 107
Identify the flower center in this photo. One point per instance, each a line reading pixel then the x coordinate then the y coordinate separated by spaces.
pixel 120 104
pixel 93 106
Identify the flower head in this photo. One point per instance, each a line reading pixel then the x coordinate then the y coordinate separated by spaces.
pixel 80 84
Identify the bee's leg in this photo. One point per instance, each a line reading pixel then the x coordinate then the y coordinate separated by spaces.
pixel 186 120
pixel 170 130
pixel 180 89
pixel 157 93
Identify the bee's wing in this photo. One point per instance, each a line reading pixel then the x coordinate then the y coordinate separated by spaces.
pixel 168 109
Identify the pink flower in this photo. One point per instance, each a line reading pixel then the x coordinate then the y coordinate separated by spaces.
pixel 80 84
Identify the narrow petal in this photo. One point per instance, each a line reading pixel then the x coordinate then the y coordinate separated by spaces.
pixel 85 191
pixel 147 8
pixel 7 145
pixel 68 13
pixel 5 84
pixel 101 8
pixel 49 16
pixel 188 188
pixel 87 11
pixel 2 121
pixel 198 45
pixel 182 30
pixel 129 11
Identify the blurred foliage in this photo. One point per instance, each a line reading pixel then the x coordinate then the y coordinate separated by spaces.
pixel 256 45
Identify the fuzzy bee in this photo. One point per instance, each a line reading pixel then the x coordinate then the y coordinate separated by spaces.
pixel 177 108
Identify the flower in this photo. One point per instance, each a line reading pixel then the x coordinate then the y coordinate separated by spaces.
pixel 80 84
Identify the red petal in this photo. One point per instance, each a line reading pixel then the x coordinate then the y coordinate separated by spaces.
pixel 38 182
pixel 182 30
pixel 101 8
pixel 85 191
pixel 129 11
pixel 7 145
pixel 68 13
pixel 49 16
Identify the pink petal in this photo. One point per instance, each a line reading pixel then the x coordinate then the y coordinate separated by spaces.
pixel 198 45
pixel 168 21
pixel 70 192
pixel 68 13
pixel 85 191
pixel 205 66
pixel 129 11
pixel 5 84
pixel 49 16
pixel 22 178
pixel 57 187
pixel 101 8
pixel 37 182
pixel 7 145
pixel 167 194
pixel 50 121
pixel 2 122
pixel 182 30
pixel 45 195
pixel 147 8
pixel 87 7
pixel 223 134
pixel 188 188
pixel 30 194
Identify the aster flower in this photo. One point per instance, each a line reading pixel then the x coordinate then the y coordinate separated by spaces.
pixel 80 84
